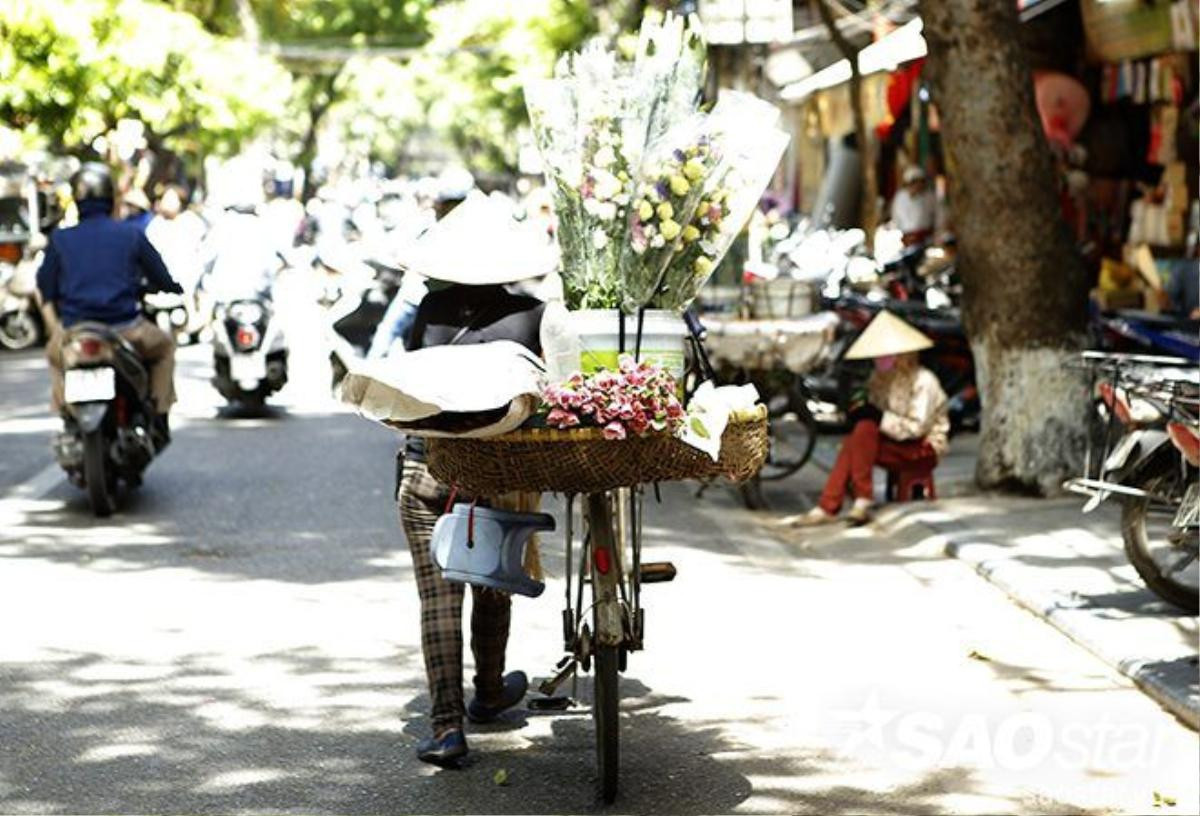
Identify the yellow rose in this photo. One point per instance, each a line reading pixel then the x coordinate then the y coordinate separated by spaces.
pixel 645 210
pixel 665 211
pixel 690 234
pixel 669 230
pixel 702 266
pixel 694 169
pixel 679 185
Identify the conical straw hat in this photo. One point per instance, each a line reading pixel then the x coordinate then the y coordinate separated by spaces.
pixel 887 335
pixel 479 243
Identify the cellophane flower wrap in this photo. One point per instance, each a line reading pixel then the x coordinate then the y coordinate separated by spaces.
pixel 746 147
pixel 695 191
pixel 669 66
pixel 636 399
pixel 585 126
pixel 591 123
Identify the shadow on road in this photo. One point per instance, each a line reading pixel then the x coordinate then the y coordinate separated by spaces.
pixel 84 734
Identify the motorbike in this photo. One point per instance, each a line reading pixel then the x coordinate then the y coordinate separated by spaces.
pixel 108 433
pixel 1136 332
pixel 21 324
pixel 250 354
pixel 1146 452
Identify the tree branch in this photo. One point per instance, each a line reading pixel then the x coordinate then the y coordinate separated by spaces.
pixel 870 185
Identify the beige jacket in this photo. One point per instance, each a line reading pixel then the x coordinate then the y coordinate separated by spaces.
pixel 913 405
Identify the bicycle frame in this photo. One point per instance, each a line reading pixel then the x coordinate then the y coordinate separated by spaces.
pixel 610 558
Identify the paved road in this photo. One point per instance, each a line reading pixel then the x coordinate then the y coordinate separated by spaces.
pixel 242 638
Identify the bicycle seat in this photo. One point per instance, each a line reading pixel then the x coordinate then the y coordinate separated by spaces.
pixel 486 547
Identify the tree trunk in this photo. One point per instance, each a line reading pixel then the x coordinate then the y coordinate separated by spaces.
pixel 868 209
pixel 319 97
pixel 1024 286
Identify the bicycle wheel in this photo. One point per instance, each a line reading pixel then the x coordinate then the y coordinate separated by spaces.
pixel 606 633
pixel 606 712
pixel 793 432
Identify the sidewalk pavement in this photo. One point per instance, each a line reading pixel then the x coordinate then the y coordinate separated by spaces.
pixel 1067 568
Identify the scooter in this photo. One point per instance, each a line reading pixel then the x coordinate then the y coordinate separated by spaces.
pixel 21 324
pixel 250 353
pixel 1148 456
pixel 108 433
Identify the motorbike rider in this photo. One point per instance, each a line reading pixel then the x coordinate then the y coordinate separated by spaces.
pixel 95 271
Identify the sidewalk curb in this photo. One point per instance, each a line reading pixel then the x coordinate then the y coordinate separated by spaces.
pixel 1059 613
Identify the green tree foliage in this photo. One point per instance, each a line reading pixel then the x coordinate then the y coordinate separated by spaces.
pixel 469 78
pixel 73 68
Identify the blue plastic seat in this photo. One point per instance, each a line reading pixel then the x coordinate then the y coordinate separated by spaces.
pixel 486 547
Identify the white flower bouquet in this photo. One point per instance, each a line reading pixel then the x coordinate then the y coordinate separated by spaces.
pixel 591 123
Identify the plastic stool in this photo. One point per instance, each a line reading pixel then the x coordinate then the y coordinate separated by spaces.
pixel 913 482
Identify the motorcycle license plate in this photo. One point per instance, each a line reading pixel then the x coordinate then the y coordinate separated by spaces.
pixel 1189 512
pixel 248 367
pixel 90 384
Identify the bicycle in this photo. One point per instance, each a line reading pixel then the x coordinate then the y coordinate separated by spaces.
pixel 792 425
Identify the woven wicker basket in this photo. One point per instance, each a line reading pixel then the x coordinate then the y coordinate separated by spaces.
pixel 583 461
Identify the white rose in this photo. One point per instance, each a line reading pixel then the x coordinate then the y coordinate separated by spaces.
pixel 605 157
pixel 592 207
pixel 607 185
pixel 657 241
pixel 607 211
pixel 599 238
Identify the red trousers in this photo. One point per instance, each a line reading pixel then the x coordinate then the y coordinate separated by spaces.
pixel 861 451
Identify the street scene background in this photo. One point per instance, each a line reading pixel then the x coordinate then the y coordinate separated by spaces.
pixel 991 628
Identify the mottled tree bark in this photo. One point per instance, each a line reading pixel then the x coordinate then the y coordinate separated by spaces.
pixel 1024 286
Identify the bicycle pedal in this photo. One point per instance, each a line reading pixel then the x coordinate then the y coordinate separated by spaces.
pixel 657 572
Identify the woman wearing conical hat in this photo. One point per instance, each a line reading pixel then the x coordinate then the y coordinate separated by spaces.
pixel 904 420
pixel 470 257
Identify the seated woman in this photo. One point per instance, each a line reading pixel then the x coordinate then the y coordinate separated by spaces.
pixel 904 420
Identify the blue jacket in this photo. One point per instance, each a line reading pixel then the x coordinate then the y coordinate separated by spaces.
pixel 95 270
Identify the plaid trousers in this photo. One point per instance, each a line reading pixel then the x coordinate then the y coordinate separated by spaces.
pixel 421 500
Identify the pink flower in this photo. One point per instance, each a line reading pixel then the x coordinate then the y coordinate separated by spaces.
pixel 674 409
pixel 561 419
pixel 614 430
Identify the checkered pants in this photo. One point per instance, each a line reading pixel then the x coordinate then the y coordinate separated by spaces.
pixel 421 500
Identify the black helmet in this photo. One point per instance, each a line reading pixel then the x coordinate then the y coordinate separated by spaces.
pixel 93 180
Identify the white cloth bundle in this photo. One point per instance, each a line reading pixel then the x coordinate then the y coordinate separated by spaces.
pixel 419 385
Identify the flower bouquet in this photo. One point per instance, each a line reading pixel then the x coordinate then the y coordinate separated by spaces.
pixel 637 398
pixel 697 189
pixel 591 123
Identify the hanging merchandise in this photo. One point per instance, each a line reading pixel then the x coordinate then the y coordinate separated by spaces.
pixel 1063 105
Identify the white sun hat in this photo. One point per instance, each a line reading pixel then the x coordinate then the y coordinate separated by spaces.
pixel 479 243
pixel 887 335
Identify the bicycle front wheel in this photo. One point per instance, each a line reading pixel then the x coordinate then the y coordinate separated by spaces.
pixel 606 712
pixel 607 632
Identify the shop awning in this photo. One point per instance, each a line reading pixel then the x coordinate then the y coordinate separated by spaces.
pixel 905 44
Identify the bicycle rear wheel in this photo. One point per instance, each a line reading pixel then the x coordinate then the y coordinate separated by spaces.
pixel 793 432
